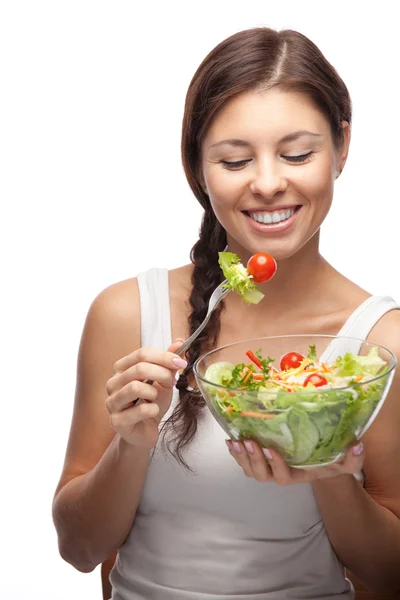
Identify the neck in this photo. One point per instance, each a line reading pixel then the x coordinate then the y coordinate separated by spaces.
pixel 296 284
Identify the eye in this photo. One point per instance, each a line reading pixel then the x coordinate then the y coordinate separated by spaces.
pixel 234 165
pixel 300 158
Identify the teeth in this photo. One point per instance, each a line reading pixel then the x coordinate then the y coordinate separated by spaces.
pixel 275 217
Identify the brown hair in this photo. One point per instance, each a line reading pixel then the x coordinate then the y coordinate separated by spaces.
pixel 255 59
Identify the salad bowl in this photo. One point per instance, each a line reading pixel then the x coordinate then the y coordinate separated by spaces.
pixel 307 396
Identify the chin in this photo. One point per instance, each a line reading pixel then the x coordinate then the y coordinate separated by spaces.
pixel 279 249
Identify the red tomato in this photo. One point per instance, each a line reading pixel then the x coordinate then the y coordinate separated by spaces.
pixel 315 379
pixel 291 360
pixel 262 266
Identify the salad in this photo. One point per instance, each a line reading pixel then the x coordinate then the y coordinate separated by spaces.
pixel 260 268
pixel 307 410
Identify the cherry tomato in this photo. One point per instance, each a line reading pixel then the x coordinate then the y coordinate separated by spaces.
pixel 291 360
pixel 262 267
pixel 315 379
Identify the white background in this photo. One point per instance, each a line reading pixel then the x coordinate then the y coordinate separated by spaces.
pixel 92 192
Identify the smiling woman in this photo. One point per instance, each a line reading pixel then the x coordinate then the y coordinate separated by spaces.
pixel 266 131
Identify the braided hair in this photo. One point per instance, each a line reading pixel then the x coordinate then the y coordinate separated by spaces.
pixel 206 276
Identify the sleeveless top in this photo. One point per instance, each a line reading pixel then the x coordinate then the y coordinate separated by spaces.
pixel 216 534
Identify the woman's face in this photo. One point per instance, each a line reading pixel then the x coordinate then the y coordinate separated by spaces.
pixel 269 183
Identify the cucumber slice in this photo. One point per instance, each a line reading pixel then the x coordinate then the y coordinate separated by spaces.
pixel 219 372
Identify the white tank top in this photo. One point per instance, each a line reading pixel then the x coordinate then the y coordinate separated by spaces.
pixel 215 534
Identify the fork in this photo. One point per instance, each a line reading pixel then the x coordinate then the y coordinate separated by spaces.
pixel 218 294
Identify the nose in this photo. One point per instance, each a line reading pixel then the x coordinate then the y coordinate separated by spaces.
pixel 268 180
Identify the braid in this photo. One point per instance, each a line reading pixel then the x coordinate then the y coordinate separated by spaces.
pixel 205 278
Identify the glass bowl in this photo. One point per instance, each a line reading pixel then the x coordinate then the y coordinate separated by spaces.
pixel 308 426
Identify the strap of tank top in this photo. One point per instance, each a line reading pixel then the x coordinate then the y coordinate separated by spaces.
pixel 155 316
pixel 359 325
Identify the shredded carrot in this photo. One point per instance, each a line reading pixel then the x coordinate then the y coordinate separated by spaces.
pixel 255 414
pixel 245 370
pixel 359 378
pixel 258 377
pixel 249 374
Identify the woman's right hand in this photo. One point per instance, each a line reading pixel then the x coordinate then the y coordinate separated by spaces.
pixel 138 424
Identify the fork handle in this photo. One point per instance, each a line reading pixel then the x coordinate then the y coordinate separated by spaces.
pixel 190 339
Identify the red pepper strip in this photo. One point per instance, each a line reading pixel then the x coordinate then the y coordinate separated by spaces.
pixel 254 358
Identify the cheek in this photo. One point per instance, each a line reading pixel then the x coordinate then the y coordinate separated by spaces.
pixel 317 185
pixel 223 185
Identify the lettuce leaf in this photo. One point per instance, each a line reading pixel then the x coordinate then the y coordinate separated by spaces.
pixel 312 353
pixel 359 366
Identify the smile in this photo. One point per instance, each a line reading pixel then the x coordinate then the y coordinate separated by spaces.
pixel 272 222
pixel 268 217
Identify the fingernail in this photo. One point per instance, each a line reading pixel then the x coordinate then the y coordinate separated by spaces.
pixel 229 444
pixel 359 449
pixel 180 363
pixel 181 340
pixel 249 447
pixel 267 453
pixel 236 445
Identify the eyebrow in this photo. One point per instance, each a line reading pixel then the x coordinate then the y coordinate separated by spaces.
pixel 291 137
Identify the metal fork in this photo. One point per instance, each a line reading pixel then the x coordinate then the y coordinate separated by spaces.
pixel 218 294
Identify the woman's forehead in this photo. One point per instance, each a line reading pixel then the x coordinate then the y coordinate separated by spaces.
pixel 273 113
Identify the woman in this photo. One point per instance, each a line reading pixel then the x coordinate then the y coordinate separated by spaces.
pixel 266 130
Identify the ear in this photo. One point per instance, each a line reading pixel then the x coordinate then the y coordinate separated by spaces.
pixel 344 149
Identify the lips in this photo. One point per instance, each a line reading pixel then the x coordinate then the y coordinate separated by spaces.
pixel 272 227
pixel 272 210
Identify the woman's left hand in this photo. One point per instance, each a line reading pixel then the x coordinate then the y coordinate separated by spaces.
pixel 256 465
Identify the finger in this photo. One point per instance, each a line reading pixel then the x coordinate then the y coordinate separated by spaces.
pixel 150 355
pixel 122 421
pixel 149 372
pixel 260 467
pixel 174 347
pixel 239 453
pixel 134 389
pixel 281 472
pixel 354 459
pixel 284 474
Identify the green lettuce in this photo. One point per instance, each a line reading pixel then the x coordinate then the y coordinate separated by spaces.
pixel 239 278
pixel 359 366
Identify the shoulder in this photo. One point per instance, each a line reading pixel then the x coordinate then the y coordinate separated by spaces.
pixel 387 331
pixel 114 315
pixel 116 309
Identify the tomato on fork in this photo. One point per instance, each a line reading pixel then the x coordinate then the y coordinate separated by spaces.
pixel 261 266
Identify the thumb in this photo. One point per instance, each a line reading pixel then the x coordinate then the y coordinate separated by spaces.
pixel 176 344
pixel 354 458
